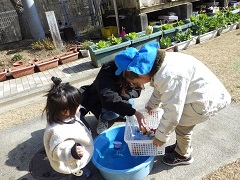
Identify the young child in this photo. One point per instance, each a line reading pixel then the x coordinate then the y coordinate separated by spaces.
pixel 187 91
pixel 68 142
pixel 108 97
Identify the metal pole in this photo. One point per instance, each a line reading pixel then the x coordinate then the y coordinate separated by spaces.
pixel 33 19
pixel 116 14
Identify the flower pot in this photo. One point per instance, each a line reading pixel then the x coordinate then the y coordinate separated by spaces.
pixel 67 57
pixel 209 35
pixel 238 25
pixel 236 11
pixel 21 70
pixel 85 53
pixel 45 64
pixel 138 42
pixel 17 63
pixel 107 54
pixel 33 61
pixel 181 45
pixel 3 74
pixel 228 28
pixel 170 49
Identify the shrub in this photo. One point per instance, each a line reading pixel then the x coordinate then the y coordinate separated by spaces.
pixel 17 57
pixel 46 43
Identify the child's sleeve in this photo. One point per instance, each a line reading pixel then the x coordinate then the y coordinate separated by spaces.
pixel 62 151
pixel 172 99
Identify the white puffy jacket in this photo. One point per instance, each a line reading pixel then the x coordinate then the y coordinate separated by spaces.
pixel 58 142
pixel 188 92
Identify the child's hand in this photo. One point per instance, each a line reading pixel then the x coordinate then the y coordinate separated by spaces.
pixel 80 150
pixel 141 120
pixel 149 110
pixel 157 142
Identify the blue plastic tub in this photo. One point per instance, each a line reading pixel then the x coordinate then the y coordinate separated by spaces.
pixel 119 167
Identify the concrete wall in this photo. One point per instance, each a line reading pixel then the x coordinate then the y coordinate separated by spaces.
pixel 78 11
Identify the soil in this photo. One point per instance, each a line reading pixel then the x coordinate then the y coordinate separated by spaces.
pixel 24 49
pixel 221 55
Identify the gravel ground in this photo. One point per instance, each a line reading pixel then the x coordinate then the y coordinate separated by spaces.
pixel 221 55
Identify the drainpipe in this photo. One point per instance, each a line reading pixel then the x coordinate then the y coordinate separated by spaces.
pixel 33 19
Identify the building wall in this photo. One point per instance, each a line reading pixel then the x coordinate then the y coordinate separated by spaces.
pixel 78 14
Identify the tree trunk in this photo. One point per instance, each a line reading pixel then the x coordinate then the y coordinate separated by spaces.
pixel 24 27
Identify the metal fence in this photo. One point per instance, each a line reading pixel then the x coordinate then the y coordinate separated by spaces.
pixel 9 27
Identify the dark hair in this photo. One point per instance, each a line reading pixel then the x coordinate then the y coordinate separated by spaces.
pixel 156 66
pixel 61 97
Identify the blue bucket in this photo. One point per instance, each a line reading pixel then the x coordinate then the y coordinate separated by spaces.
pixel 119 165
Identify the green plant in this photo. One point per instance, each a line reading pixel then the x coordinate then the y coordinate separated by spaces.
pixel 167 26
pixel 199 26
pixel 114 40
pixel 17 57
pixel 46 43
pixel 182 36
pixel 178 23
pixel 101 44
pixel 132 35
pixel 37 45
pixel 165 42
pixel 85 44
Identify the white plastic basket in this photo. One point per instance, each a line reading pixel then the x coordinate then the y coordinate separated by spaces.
pixel 138 144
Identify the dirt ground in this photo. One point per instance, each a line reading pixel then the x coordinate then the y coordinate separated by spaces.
pixel 25 50
pixel 221 55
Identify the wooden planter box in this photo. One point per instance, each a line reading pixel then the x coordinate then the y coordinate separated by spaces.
pixel 22 70
pixel 3 74
pixel 107 54
pixel 67 57
pixel 46 64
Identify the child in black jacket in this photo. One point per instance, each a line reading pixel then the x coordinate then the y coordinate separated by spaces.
pixel 108 97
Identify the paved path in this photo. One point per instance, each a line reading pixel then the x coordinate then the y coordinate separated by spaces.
pixel 20 89
pixel 215 142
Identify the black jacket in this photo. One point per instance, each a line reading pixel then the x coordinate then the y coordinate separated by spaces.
pixel 105 93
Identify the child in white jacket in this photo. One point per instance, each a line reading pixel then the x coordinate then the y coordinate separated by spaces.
pixel 67 140
pixel 187 91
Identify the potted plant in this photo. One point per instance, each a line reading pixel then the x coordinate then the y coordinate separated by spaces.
pixel 67 56
pixel 137 39
pixel 83 48
pixel 166 44
pixel 182 40
pixel 105 51
pixel 168 30
pixel 204 27
pixel 45 64
pixel 3 74
pixel 21 70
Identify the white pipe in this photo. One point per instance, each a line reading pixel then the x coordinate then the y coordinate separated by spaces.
pixel 33 19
